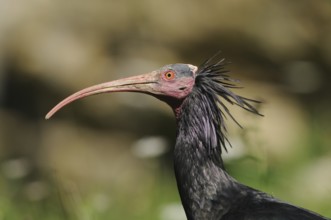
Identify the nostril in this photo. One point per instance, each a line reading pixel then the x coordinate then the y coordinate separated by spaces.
pixel 182 88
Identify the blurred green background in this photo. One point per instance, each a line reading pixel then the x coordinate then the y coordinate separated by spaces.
pixel 110 156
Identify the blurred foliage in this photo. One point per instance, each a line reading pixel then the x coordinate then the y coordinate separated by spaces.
pixel 89 161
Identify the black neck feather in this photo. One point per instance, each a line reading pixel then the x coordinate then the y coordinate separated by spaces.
pixel 202 181
pixel 203 112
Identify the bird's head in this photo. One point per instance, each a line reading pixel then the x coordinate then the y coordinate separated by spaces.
pixel 205 89
pixel 171 83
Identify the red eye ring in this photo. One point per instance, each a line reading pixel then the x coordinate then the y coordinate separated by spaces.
pixel 169 75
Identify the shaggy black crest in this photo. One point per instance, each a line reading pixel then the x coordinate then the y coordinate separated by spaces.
pixel 211 91
pixel 215 83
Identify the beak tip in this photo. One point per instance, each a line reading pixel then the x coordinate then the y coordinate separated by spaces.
pixel 48 116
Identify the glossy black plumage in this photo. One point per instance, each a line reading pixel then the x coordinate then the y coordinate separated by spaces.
pixel 206 189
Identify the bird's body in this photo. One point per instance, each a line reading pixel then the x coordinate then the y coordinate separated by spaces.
pixel 208 192
pixel 197 98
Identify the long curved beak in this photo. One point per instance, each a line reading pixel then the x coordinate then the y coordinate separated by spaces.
pixel 145 83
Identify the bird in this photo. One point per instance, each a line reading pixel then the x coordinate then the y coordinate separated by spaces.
pixel 199 98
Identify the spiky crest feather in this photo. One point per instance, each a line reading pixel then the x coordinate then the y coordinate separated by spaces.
pixel 211 91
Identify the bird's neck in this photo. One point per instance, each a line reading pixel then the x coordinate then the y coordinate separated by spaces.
pixel 205 188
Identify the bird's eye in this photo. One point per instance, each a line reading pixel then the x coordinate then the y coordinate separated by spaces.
pixel 169 75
